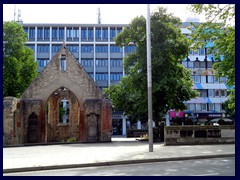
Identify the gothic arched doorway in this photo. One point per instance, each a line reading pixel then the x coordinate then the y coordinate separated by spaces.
pixel 62 116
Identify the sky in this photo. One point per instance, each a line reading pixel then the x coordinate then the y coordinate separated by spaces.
pixel 87 13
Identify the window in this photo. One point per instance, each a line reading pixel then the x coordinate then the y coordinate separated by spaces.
pixel 222 80
pixel 46 34
pixel 197 79
pixel 101 48
pixel 211 107
pixel 119 30
pixel 43 48
pixel 63 62
pixel 204 107
pixel 210 93
pixel 69 34
pixel 203 79
pixel 87 62
pixel 101 62
pixel 84 34
pixel 55 48
pixel 196 64
pixel 105 34
pixel 210 79
pixel 86 48
pixel 73 48
pixel 114 48
pixel 190 64
pixel 31 34
pixel 191 107
pixel 202 51
pixel 216 79
pixel 223 93
pixel 217 92
pixel 91 75
pixel 217 107
pixel 90 34
pixel 184 63
pixel 204 93
pixel 112 34
pixel 61 34
pixel 202 65
pixel 76 34
pixel 116 62
pixel 198 107
pixel 39 33
pixel 42 62
pixel 54 34
pixel 115 76
pixel 101 76
pixel 98 34
pixel 64 111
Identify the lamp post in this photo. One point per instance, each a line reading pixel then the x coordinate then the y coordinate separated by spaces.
pixel 186 116
pixel 149 80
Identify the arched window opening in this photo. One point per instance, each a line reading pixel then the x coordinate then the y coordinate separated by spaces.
pixel 64 107
pixel 63 62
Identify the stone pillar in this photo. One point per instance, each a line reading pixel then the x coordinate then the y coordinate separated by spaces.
pixel 139 124
pixel 9 108
pixel 124 125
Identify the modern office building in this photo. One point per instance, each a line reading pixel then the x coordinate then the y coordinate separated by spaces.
pixel 94 47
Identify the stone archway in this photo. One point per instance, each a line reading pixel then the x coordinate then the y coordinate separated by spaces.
pixel 33 128
pixel 60 128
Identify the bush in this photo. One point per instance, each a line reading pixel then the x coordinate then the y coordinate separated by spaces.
pixel 72 139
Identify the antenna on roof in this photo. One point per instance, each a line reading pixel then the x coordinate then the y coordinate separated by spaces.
pixel 99 16
pixel 19 19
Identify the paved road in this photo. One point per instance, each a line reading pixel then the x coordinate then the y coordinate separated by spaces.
pixel 201 167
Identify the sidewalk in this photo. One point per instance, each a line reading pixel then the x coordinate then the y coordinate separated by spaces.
pixel 120 151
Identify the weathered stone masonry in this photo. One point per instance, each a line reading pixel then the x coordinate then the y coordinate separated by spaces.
pixel 34 118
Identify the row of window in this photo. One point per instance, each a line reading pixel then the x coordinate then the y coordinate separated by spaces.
pixel 84 48
pixel 72 33
pixel 208 79
pixel 203 107
pixel 213 93
pixel 104 76
pixel 197 64
pixel 102 62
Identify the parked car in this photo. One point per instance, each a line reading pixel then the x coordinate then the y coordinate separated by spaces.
pixel 220 121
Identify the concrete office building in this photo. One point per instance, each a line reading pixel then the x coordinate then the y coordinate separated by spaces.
pixel 94 47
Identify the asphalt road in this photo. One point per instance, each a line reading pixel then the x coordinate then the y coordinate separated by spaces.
pixel 201 167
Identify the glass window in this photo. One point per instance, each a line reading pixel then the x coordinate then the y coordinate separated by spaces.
pixel 39 33
pixel 202 51
pixel 98 34
pixel 196 52
pixel 119 29
pixel 84 34
pixel 69 33
pixel 63 63
pixel 217 107
pixel 116 62
pixel 112 33
pixel 32 46
pixel 190 64
pixel 210 79
pixel 61 34
pixel 204 93
pixel 101 76
pixel 86 48
pixel 210 92
pixel 54 34
pixel 198 107
pixel 90 34
pixel 46 34
pixel 114 49
pixel 196 64
pixel 55 47
pixel 101 48
pixel 203 79
pixel 101 62
pixel 43 48
pixel 191 107
pixel 42 62
pixel 217 92
pixel 105 34
pixel 73 48
pixel 91 75
pixel 211 107
pixel 222 79
pixel 115 76
pixel 31 34
pixel 197 79
pixel 184 63
pixel 76 34
pixel 204 107
pixel 216 79
pixel 129 49
pixel 223 92
pixel 87 62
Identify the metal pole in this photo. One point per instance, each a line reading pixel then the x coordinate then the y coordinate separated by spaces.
pixel 149 79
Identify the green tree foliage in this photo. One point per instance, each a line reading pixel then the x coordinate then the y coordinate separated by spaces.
pixel 19 67
pixel 220 28
pixel 171 82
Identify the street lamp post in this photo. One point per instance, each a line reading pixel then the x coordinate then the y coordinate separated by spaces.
pixel 149 80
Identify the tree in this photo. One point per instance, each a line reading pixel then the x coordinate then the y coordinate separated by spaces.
pixel 220 28
pixel 19 67
pixel 171 82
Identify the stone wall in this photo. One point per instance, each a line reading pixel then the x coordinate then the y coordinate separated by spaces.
pixel 183 135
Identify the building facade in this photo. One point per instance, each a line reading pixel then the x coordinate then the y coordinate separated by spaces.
pixel 94 47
